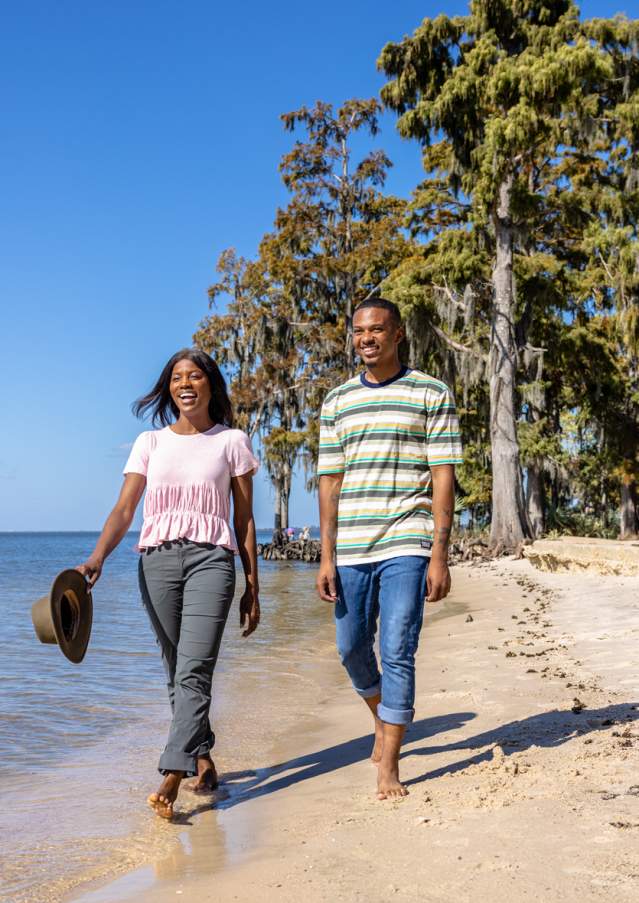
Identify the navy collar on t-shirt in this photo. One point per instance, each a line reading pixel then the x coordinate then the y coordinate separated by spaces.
pixel 387 382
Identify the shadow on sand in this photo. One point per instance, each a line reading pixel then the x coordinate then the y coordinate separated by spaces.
pixel 547 729
pixel 239 786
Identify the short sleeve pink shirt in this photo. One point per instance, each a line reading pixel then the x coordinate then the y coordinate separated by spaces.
pixel 188 483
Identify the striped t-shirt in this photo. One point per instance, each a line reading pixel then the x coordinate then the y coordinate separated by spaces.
pixel 385 437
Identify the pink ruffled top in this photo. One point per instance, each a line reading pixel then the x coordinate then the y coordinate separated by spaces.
pixel 188 483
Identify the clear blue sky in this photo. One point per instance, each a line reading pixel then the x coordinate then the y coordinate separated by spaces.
pixel 138 140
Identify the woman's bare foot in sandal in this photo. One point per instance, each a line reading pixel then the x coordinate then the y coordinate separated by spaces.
pixel 206 780
pixel 162 801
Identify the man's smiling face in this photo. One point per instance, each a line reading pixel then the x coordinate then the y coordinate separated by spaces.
pixel 376 336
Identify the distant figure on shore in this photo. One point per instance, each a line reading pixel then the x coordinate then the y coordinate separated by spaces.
pixel 387 436
pixel 305 534
pixel 290 534
pixel 190 468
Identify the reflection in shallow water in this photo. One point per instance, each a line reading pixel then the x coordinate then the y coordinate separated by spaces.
pixel 79 744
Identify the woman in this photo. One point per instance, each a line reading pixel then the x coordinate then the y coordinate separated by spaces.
pixel 189 468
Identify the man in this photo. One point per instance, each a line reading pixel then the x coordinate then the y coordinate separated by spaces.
pixel 387 437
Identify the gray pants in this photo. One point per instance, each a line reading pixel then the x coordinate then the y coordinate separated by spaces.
pixel 187 589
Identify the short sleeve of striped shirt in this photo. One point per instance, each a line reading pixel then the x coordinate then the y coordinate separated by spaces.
pixel 443 441
pixel 331 454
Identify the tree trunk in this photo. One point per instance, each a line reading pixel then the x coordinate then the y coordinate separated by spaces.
pixel 349 283
pixel 508 525
pixel 283 510
pixel 281 503
pixel 535 500
pixel 349 350
pixel 603 512
pixel 628 509
pixel 283 495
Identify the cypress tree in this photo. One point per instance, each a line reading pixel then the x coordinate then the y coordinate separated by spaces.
pixel 492 96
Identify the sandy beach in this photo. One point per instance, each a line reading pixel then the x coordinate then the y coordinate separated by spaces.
pixel 521 766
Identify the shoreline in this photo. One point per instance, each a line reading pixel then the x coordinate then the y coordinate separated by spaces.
pixel 75 803
pixel 516 791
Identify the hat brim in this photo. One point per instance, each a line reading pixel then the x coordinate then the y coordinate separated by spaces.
pixel 71 614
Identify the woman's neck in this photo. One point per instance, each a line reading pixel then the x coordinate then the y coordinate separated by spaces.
pixel 184 426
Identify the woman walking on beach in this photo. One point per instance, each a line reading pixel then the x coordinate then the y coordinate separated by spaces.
pixel 189 468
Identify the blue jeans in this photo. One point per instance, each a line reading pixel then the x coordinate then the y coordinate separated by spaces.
pixel 393 590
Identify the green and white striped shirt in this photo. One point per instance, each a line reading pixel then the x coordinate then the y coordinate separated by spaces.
pixel 385 437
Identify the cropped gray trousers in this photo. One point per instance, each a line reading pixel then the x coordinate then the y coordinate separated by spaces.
pixel 187 589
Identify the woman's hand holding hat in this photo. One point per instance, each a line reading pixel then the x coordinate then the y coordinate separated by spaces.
pixel 91 569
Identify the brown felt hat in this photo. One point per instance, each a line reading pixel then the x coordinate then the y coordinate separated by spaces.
pixel 65 615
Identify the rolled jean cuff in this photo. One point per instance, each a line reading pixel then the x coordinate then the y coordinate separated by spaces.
pixel 395 716
pixel 369 691
pixel 176 761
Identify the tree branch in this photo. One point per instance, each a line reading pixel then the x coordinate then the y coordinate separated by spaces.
pixel 452 296
pixel 606 268
pixel 372 291
pixel 456 346
pixel 533 349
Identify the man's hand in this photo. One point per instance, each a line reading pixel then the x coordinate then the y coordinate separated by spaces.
pixel 437 580
pixel 326 583
pixel 329 490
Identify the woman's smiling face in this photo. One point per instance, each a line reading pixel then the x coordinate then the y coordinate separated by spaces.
pixel 190 388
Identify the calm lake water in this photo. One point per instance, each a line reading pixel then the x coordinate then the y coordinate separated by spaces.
pixel 79 743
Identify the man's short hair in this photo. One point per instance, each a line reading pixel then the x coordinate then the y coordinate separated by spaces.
pixel 392 308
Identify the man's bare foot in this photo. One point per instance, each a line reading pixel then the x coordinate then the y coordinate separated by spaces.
pixel 206 780
pixel 372 702
pixel 378 746
pixel 389 786
pixel 388 783
pixel 162 801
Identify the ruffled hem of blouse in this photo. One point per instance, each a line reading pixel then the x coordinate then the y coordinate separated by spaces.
pixel 197 498
pixel 193 525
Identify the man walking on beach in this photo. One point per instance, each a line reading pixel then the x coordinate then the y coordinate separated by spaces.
pixel 387 437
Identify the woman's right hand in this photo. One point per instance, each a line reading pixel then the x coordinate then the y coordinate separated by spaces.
pixel 91 570
pixel 117 523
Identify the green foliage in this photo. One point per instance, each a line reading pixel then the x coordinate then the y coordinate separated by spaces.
pixel 281 448
pixel 528 122
pixel 526 96
pixel 562 522
pixel 474 478
pixel 539 444
pixel 282 338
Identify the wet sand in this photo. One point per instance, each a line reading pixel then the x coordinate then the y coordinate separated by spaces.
pixel 521 766
pixel 74 802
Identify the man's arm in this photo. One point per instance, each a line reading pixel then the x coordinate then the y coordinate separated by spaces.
pixel 329 489
pixel 438 580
